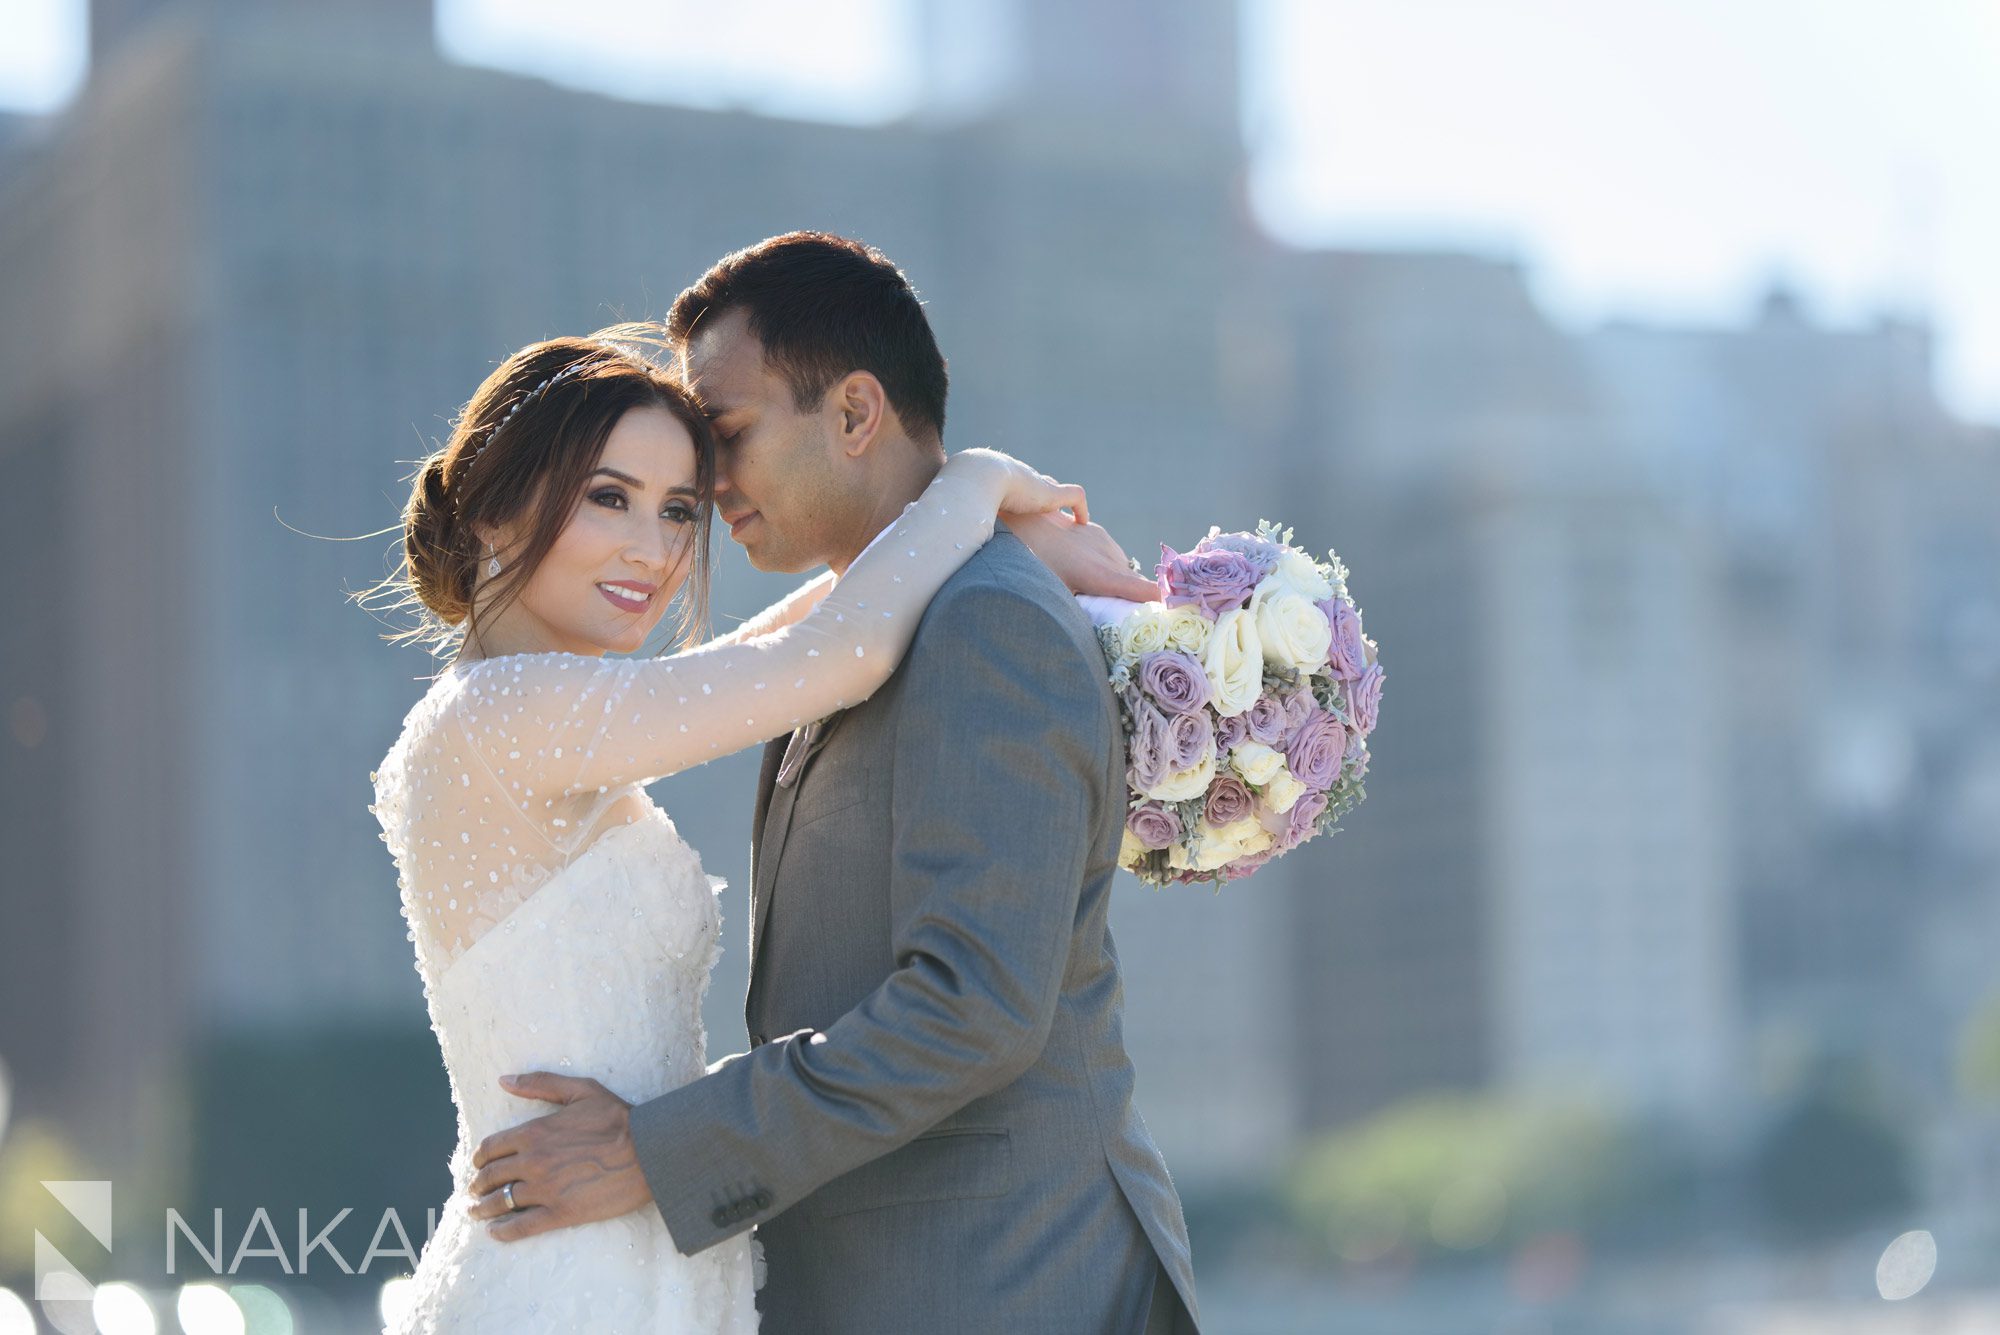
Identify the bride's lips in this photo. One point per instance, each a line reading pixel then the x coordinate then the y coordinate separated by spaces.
pixel 635 595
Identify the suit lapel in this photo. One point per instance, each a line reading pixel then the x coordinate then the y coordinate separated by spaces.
pixel 774 752
pixel 761 856
pixel 787 757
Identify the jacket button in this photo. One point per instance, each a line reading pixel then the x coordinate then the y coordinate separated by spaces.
pixel 762 1200
pixel 721 1216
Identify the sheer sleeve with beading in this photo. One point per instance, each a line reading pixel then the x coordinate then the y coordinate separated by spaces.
pixel 531 750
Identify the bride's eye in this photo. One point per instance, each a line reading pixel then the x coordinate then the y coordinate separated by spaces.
pixel 609 495
pixel 679 513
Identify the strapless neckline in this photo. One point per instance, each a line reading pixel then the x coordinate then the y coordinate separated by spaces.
pixel 560 886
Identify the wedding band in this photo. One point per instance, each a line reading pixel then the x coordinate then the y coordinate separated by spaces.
pixel 508 1192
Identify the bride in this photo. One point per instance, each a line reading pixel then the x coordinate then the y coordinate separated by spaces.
pixel 558 917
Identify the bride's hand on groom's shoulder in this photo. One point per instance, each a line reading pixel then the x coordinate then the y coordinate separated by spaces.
pixel 576 1165
pixel 1020 489
pixel 1083 556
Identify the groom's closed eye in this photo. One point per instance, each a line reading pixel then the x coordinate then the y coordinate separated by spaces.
pixel 725 423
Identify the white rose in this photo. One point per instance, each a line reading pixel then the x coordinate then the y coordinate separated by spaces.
pixel 1188 630
pixel 1144 631
pixel 1294 633
pixel 1283 791
pixel 1301 575
pixel 1256 762
pixel 1234 662
pixel 1182 785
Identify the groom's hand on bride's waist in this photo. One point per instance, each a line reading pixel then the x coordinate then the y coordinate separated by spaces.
pixel 574 1166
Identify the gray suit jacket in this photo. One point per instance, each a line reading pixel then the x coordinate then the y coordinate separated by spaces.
pixel 934 1127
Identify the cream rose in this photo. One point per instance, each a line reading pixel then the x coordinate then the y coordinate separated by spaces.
pixel 1130 851
pixel 1283 790
pixel 1254 840
pixel 1234 661
pixel 1144 631
pixel 1188 630
pixel 1183 785
pixel 1293 631
pixel 1257 763
pixel 1238 839
pixel 1215 851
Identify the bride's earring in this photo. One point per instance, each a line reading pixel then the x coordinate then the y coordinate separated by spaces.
pixel 493 566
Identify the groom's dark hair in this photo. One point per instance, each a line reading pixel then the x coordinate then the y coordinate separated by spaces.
pixel 823 306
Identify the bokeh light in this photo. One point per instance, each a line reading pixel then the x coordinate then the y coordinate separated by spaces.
pixel 122 1309
pixel 1906 1266
pixel 208 1309
pixel 397 1296
pixel 265 1311
pixel 16 1317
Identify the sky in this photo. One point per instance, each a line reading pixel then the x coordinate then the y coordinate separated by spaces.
pixel 1661 160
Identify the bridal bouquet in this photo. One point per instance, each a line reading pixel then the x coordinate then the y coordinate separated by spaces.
pixel 1248 693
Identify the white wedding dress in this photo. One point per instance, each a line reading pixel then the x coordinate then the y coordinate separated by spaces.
pixel 562 924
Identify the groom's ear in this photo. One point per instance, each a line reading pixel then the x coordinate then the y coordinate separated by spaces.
pixel 862 410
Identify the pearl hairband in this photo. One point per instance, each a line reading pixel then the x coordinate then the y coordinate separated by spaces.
pixel 465 468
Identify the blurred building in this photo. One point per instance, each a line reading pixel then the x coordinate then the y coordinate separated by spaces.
pixel 1855 535
pixel 1535 897
pixel 1695 633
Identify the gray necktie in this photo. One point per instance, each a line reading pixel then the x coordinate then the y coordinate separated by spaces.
pixel 805 742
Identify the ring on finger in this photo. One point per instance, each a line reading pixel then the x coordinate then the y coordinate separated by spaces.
pixel 507 1193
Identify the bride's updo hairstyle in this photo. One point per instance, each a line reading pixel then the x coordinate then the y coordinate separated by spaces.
pixel 526 444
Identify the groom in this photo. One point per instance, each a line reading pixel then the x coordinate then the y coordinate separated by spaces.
pixel 934 1128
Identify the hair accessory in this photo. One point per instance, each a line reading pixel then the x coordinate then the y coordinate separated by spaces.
pixel 465 468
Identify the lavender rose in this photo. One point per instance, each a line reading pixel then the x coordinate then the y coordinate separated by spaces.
pixel 1349 654
pixel 1155 825
pixel 1216 581
pixel 1264 556
pixel 1316 749
pixel 1267 720
pixel 1190 740
pixel 1228 802
pixel 1150 750
pixel 1175 680
pixel 1230 732
pixel 1299 707
pixel 1364 698
pixel 1305 813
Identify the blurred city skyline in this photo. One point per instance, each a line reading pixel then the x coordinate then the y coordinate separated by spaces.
pixel 1836 148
